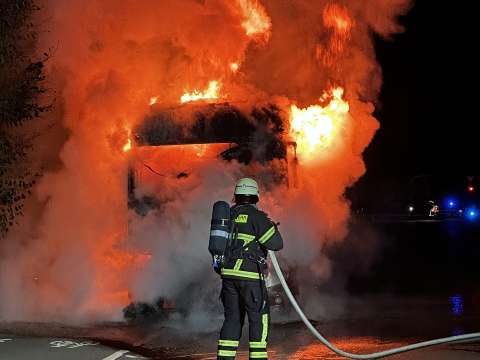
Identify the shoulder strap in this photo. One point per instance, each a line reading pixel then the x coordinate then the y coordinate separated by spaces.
pixel 233 235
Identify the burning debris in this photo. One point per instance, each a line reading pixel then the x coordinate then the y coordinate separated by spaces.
pixel 211 93
pixel 148 66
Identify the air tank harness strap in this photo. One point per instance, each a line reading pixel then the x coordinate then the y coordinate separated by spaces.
pixel 243 253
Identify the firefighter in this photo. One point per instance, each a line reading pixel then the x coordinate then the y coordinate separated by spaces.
pixel 243 270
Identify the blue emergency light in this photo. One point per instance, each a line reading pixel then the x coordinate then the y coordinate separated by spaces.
pixel 471 213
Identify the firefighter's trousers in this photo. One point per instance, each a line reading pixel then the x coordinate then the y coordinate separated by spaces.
pixel 240 297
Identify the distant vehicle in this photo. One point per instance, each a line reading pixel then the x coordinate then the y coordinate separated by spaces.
pixel 450 210
pixel 424 209
pixel 443 197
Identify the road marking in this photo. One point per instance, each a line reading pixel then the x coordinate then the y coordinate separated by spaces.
pixel 199 354
pixel 116 355
pixel 70 344
pixel 5 340
pixel 135 357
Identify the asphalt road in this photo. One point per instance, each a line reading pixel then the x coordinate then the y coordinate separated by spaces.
pixel 32 348
pixel 289 341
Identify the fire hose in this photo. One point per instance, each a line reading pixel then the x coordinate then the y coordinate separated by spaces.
pixel 375 355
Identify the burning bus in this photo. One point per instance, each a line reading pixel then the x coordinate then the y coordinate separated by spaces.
pixel 186 96
pixel 194 133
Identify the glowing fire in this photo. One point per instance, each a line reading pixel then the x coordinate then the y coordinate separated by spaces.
pixel 337 18
pixel 153 100
pixel 128 145
pixel 314 128
pixel 209 94
pixel 112 261
pixel 122 259
pixel 234 67
pixel 200 150
pixel 257 23
pixel 141 59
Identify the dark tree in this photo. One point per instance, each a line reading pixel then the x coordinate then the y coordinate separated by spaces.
pixel 21 92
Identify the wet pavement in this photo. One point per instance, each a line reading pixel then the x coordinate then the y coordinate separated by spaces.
pixel 366 325
pixel 26 348
pixel 292 341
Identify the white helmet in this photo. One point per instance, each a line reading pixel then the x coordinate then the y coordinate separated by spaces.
pixel 246 186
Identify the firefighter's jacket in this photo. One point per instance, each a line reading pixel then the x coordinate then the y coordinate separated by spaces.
pixel 254 234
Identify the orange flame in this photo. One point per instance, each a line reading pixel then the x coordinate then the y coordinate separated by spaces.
pixel 337 18
pixel 122 259
pixel 114 261
pixel 257 23
pixel 315 128
pixel 128 145
pixel 210 93
pixel 200 149
pixel 139 52
pixel 234 67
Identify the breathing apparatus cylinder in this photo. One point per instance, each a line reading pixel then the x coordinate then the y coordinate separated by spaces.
pixel 219 229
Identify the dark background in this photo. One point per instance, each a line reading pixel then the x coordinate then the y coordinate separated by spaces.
pixel 428 104
pixel 426 147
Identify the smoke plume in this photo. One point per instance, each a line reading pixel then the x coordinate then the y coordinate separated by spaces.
pixel 85 256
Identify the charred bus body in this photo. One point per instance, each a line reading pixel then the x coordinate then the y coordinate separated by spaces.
pixel 194 133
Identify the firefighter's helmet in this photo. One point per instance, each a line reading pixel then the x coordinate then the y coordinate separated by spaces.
pixel 246 186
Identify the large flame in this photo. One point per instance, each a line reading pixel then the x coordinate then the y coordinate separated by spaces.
pixel 257 23
pixel 121 61
pixel 211 93
pixel 315 128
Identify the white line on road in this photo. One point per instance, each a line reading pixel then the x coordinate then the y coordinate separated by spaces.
pixel 5 340
pixel 116 355
pixel 70 344
pixel 199 354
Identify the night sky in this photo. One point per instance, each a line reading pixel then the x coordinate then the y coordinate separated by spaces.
pixel 426 118
pixel 427 106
